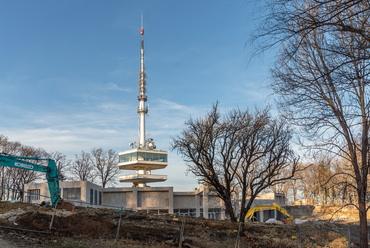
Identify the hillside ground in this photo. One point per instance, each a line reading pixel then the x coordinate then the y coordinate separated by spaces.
pixel 91 227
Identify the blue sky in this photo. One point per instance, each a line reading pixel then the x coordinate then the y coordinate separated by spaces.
pixel 68 71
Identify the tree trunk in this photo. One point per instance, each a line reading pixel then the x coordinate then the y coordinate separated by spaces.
pixel 363 219
pixel 230 211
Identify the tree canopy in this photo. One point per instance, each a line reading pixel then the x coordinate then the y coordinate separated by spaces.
pixel 242 152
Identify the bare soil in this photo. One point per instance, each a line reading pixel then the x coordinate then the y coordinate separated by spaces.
pixel 90 227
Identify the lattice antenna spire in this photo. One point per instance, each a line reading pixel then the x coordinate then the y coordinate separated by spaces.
pixel 142 98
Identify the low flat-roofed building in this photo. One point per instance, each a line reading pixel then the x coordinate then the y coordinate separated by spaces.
pixel 198 203
pixel 81 193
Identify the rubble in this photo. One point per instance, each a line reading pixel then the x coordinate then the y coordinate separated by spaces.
pixel 274 221
pixel 11 216
pixel 299 221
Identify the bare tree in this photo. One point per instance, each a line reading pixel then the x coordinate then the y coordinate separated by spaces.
pixel 316 181
pixel 243 149
pixel 13 179
pixel 205 147
pixel 62 164
pixel 290 187
pixel 22 177
pixel 105 163
pixel 267 159
pixel 286 20
pixel 82 168
pixel 322 80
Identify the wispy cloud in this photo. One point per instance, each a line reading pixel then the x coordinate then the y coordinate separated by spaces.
pixel 67 141
pixel 115 87
pixel 166 104
pixel 86 123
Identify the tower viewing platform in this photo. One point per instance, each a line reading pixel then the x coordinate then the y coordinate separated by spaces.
pixel 142 159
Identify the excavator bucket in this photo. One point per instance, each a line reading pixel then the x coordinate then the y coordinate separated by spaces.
pixel 69 206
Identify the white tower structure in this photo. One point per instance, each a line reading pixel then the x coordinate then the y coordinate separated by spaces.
pixel 143 158
pixel 142 98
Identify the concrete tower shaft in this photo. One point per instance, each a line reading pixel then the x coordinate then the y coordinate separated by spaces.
pixel 142 98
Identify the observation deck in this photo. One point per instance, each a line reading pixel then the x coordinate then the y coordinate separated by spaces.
pixel 142 159
pixel 142 178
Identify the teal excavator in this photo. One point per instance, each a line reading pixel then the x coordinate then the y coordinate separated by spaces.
pixel 51 171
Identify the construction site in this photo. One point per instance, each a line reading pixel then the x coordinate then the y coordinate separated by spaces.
pixel 83 214
pixel 29 225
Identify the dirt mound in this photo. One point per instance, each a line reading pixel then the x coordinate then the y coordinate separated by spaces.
pixel 134 226
pixel 6 207
pixel 313 235
pixel 350 212
pixel 74 225
pixel 92 227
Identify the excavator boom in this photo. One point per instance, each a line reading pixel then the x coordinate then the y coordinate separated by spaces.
pixel 51 171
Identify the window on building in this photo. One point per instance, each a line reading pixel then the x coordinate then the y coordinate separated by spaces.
pixel 99 197
pixel 34 194
pixel 271 214
pixel 256 216
pixel 72 193
pixel 91 196
pixel 280 215
pixel 214 213
pixel 96 197
pixel 146 156
pixel 128 157
pixel 163 158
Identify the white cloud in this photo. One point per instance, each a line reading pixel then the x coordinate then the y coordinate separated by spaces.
pixel 109 125
pixel 115 87
pixel 67 141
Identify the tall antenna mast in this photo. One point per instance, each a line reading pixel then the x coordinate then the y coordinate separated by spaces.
pixel 142 22
pixel 142 98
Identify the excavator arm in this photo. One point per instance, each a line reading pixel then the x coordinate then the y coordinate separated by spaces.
pixel 272 206
pixel 51 171
pixel 281 209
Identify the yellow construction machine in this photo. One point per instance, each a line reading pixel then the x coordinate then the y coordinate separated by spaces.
pixel 273 206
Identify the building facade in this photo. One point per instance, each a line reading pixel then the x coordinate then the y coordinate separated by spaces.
pixel 198 203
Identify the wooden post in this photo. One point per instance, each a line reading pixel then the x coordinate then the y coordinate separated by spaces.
pixel 182 231
pixel 237 243
pixel 349 238
pixel 119 223
pixel 52 218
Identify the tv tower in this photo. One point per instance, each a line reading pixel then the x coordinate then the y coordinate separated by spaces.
pixel 143 158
